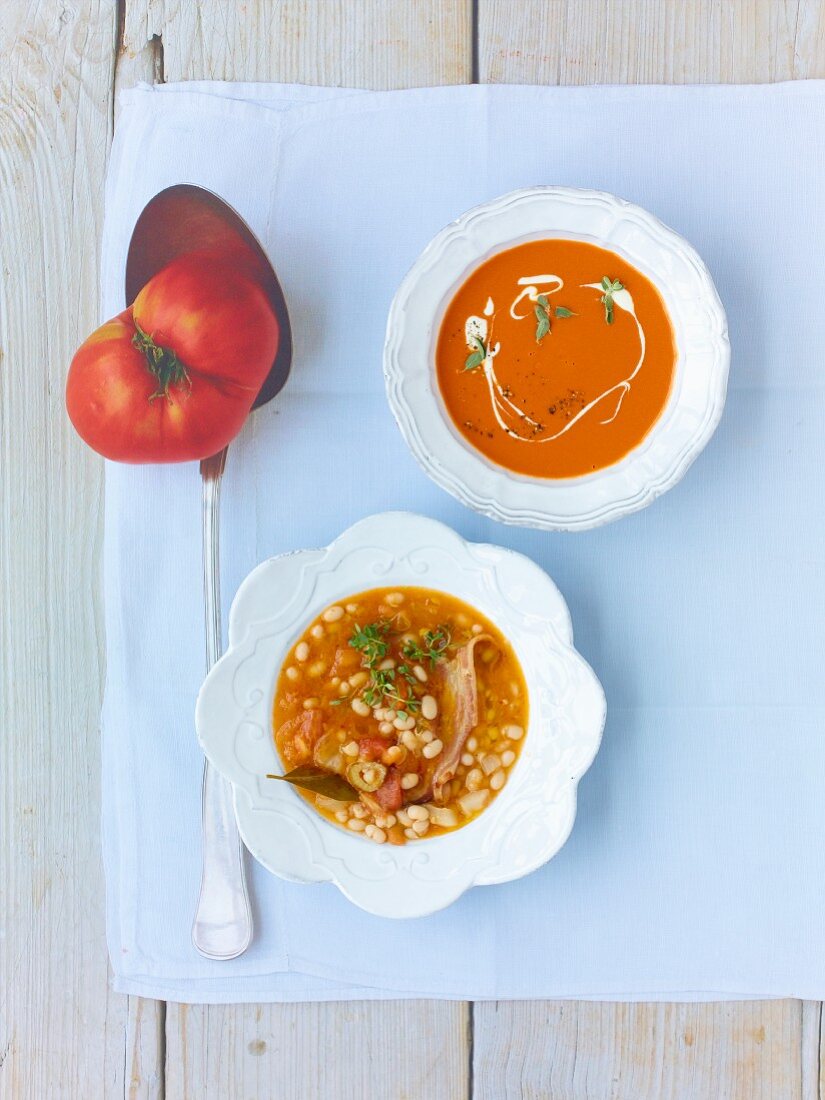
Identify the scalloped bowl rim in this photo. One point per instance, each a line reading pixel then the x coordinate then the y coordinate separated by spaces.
pixel 289 837
pixel 691 414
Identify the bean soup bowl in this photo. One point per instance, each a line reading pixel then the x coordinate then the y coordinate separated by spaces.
pixel 532 816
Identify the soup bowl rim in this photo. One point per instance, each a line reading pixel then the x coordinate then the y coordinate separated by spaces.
pixel 688 420
pixel 529 820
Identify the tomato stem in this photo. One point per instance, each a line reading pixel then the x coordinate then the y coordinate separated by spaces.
pixel 161 362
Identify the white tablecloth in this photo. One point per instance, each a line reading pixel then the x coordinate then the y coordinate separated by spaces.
pixel 696 868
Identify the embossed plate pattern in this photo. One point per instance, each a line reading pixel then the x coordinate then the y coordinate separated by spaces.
pixel 533 815
pixel 696 400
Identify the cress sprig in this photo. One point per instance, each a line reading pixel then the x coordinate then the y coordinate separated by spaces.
pixel 436 644
pixel 371 642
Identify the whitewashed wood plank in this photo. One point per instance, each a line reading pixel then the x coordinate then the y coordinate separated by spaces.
pixel 811 1056
pixel 346 1051
pixel 413 1049
pixel 346 43
pixel 583 1051
pixel 572 1050
pixel 62 1033
pixel 650 41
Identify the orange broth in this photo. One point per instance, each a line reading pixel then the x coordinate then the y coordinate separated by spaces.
pixel 412 696
pixel 574 398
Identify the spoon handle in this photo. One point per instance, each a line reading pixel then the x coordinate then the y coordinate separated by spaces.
pixel 222 928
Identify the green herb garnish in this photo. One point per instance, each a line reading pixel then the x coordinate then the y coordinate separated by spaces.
pixel 436 644
pixel 542 312
pixel 609 286
pixel 562 311
pixel 371 642
pixel 477 357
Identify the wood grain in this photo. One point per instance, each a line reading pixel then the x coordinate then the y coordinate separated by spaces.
pixel 650 41
pixel 403 1050
pixel 61 1032
pixel 582 1051
pixel 346 43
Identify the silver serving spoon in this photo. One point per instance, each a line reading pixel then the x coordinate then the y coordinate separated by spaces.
pixel 185 218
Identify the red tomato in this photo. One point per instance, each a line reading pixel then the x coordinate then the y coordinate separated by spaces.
pixel 390 796
pixel 174 377
pixel 372 748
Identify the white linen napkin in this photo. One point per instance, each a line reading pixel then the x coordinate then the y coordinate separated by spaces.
pixel 696 868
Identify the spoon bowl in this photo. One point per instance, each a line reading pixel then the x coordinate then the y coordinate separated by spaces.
pixel 187 218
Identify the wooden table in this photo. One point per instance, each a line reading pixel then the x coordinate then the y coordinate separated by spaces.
pixel 62 1032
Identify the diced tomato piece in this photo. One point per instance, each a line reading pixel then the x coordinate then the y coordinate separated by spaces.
pixel 346 660
pixel 389 795
pixel 296 738
pixel 372 748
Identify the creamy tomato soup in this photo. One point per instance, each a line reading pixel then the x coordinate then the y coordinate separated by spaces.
pixel 555 358
pixel 399 713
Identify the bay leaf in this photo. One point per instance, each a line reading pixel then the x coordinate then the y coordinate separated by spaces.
pixel 319 781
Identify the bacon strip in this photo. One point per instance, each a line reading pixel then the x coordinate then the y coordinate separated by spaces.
pixel 458 712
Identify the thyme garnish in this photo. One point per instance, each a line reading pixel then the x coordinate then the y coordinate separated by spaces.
pixel 609 286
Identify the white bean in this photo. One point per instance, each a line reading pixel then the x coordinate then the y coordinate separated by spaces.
pixel 358 678
pixel 350 749
pixel 343 687
pixel 498 779
pixel 472 743
pixel 317 631
pixel 409 740
pixel 477 628
pixel 433 749
pixel 418 813
pixel 490 763
pixel 472 803
pixel 311 703
pixel 409 834
pixel 333 614
pixel 420 673
pixel 360 707
pixel 301 651
pixel 420 827
pixel 429 707
pixel 317 668
pixel 467 759
pixel 444 816
pixel 474 779
pixel 386 664
pixel 386 727
pixel 292 673
pixel 395 599
pixel 408 781
pixel 352 608
pixel 356 824
pixel 515 733
pixel 507 758
pixel 359 810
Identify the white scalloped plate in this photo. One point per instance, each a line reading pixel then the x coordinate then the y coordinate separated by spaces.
pixel 696 399
pixel 525 825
